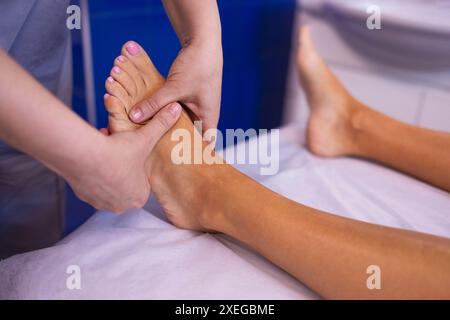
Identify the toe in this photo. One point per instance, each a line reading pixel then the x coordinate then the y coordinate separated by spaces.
pixel 304 35
pixel 130 69
pixel 120 75
pixel 118 117
pixel 115 89
pixel 142 62
pixel 307 55
pixel 113 105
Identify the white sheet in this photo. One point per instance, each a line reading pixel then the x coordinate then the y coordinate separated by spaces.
pixel 140 255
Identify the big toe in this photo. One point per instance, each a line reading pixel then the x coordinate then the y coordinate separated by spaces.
pixel 307 56
pixel 137 55
pixel 304 36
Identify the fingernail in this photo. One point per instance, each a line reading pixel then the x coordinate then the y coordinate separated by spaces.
pixel 133 48
pixel 175 109
pixel 110 80
pixel 121 58
pixel 106 96
pixel 116 70
pixel 136 114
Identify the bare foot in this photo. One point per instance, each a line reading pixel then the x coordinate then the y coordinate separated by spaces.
pixel 330 129
pixel 132 79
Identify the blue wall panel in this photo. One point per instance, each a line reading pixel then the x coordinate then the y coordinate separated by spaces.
pixel 256 41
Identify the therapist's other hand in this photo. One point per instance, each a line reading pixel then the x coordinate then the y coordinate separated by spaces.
pixel 118 178
pixel 195 79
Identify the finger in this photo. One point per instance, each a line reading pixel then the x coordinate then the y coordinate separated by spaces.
pixel 146 109
pixel 160 124
pixel 104 131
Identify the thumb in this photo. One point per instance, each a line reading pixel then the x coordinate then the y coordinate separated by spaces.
pixel 147 108
pixel 164 120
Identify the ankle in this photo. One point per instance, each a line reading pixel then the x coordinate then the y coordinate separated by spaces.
pixel 187 192
pixel 360 114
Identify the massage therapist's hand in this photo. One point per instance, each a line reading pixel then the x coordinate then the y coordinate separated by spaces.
pixel 195 79
pixel 117 179
pixel 109 172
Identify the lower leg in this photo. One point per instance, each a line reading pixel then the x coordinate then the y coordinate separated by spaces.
pixel 419 152
pixel 301 240
pixel 340 125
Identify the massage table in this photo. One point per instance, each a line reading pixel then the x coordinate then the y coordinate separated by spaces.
pixel 140 255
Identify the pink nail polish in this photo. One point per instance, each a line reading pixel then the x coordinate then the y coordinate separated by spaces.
pixel 133 48
pixel 106 96
pixel 121 58
pixel 110 80
pixel 136 114
pixel 116 70
pixel 175 109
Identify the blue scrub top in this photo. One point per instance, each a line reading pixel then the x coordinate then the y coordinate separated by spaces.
pixel 34 33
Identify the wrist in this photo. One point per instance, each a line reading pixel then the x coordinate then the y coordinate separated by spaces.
pixel 209 46
pixel 85 161
pixel 204 42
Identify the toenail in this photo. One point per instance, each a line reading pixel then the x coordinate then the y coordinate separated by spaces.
pixel 110 79
pixel 121 58
pixel 106 96
pixel 133 48
pixel 116 70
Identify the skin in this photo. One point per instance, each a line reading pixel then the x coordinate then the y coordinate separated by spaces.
pixel 301 240
pixel 109 172
pixel 195 77
pixel 358 130
pixel 96 166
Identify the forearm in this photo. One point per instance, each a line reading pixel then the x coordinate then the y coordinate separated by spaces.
pixel 420 152
pixel 328 253
pixel 195 21
pixel 34 121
